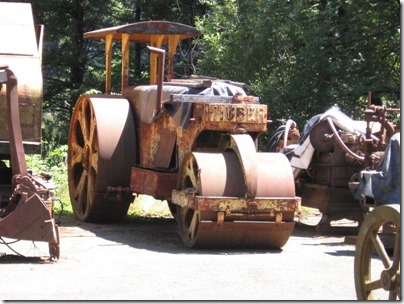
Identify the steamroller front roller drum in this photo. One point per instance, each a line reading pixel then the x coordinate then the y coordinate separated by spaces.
pixel 378 255
pixel 218 176
pixel 102 148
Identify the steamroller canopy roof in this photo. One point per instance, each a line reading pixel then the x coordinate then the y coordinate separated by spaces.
pixel 143 31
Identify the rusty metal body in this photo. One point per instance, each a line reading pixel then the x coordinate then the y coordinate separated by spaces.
pixel 162 145
pixel 21 51
pixel 28 213
pixel 328 160
pixel 191 142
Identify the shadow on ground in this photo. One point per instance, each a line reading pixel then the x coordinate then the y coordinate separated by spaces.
pixel 156 234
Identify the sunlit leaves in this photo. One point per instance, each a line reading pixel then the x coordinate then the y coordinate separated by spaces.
pixel 301 57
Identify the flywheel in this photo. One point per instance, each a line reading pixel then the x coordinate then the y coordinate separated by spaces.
pixel 220 176
pixel 101 150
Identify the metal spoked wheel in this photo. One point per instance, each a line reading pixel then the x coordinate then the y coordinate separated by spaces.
pixel 221 175
pixel 377 255
pixel 189 221
pixel 101 151
pixel 191 228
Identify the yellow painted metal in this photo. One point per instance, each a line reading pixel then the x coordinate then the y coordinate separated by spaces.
pixel 108 63
pixel 173 41
pixel 156 41
pixel 154 33
pixel 125 62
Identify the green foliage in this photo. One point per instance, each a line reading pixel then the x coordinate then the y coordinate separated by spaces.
pixel 54 163
pixel 302 57
pixel 217 28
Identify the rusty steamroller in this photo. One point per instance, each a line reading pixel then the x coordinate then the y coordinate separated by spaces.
pixel 327 159
pixel 191 142
pixel 26 200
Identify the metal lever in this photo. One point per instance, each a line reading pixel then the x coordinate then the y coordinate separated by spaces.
pixel 160 78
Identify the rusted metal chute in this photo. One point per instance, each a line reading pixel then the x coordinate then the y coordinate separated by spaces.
pixel 28 214
pixel 26 199
pixel 21 50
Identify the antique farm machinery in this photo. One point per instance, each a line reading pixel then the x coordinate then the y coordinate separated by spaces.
pixel 378 246
pixel 26 201
pixel 327 159
pixel 192 142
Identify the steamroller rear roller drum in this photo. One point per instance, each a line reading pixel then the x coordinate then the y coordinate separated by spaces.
pixel 378 255
pixel 221 175
pixel 102 148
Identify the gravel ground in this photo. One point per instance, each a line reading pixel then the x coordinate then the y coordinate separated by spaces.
pixel 144 259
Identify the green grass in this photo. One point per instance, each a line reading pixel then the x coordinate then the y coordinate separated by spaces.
pixel 146 206
pixel 55 163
